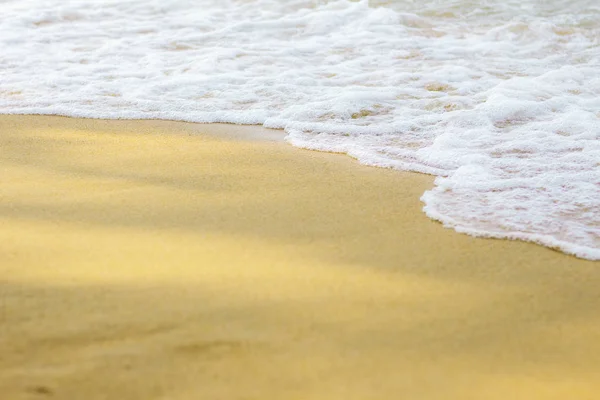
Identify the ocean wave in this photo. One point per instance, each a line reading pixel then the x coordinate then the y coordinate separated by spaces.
pixel 499 99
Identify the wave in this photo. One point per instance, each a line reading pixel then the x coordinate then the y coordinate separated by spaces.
pixel 499 99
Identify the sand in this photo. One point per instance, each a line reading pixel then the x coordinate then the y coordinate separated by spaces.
pixel 164 260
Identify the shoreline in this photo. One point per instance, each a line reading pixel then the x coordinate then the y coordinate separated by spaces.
pixel 259 133
pixel 160 259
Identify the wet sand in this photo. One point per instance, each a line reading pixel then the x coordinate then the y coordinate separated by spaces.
pixel 164 260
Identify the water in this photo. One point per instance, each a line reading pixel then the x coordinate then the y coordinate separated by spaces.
pixel 500 99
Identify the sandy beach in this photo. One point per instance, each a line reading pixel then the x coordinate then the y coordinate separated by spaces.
pixel 166 260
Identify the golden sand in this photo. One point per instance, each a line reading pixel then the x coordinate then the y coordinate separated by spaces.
pixel 162 260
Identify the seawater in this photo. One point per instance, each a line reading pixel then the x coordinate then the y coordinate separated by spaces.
pixel 499 98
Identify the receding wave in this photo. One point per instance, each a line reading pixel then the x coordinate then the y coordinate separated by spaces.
pixel 499 99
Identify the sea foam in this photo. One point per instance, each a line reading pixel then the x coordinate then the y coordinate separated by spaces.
pixel 500 99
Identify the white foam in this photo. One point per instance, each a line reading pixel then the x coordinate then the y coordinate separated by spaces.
pixel 500 99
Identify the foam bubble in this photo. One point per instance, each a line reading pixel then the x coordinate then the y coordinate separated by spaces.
pixel 500 99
